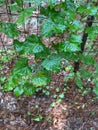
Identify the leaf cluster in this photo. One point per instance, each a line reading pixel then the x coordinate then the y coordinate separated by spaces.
pixel 60 19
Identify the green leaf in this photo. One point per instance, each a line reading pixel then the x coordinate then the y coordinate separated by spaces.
pixel 41 78
pixel 85 73
pixel 59 28
pixel 52 63
pixel 96 66
pixel 57 90
pixel 87 59
pixel 38 118
pixel 95 90
pixel 55 22
pixel 79 83
pixel 19 3
pixel 52 3
pixel 29 89
pixel 2 2
pixel 67 47
pixel 9 85
pixel 92 10
pixel 1 24
pixel 92 32
pixel 33 38
pixel 53 14
pixel 71 47
pixel 43 54
pixel 8 28
pixel 33 48
pixel 61 95
pixel 21 67
pixel 45 11
pixel 53 104
pixel 13 81
pixel 76 26
pixel 24 14
pixel 14 7
pixel 30 46
pixel 47 28
pixel 36 2
pixel 18 91
pixel 74 38
pixel 70 5
pixel 82 9
pixel 70 15
pixel 69 56
pixel 18 45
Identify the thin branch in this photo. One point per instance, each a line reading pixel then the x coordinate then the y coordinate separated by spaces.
pixel 89 23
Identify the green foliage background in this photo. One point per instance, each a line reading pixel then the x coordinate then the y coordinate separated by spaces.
pixel 61 19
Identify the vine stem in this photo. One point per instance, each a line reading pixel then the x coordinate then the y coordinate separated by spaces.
pixel 89 23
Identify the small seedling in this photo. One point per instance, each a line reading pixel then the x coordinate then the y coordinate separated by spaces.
pixel 52 104
pixel 54 96
pixel 57 90
pixel 46 92
pixel 38 118
pixel 59 100
pixel 29 113
pixel 36 106
pixel 48 118
pixel 47 87
pixel 61 95
pixel 65 89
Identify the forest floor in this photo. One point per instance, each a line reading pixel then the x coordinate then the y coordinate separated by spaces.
pixel 41 112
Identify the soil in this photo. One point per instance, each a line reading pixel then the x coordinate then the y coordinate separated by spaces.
pixel 74 112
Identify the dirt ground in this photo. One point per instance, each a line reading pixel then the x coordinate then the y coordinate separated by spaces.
pixel 75 112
